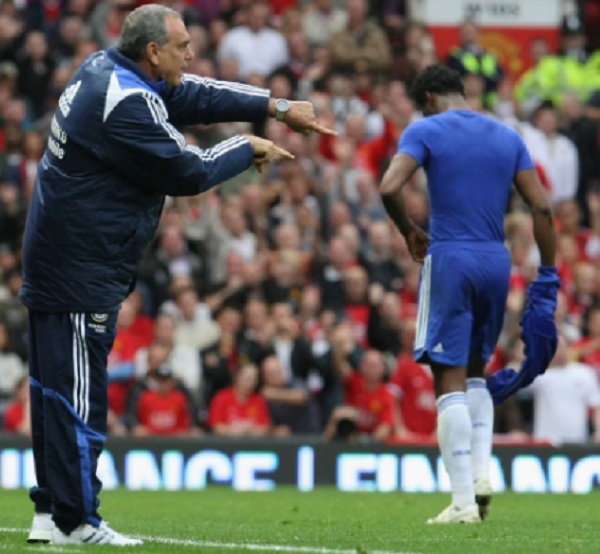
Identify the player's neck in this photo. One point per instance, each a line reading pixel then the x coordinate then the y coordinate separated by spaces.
pixel 452 102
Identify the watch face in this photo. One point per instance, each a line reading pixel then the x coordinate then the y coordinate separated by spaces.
pixel 282 105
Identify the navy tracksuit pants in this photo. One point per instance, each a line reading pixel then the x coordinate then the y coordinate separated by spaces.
pixel 68 355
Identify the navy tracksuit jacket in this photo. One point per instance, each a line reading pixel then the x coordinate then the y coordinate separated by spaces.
pixel 113 154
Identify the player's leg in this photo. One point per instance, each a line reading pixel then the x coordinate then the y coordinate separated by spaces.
pixel 481 410
pixel 42 526
pixel 78 413
pixel 65 445
pixel 491 294
pixel 454 437
pixel 443 332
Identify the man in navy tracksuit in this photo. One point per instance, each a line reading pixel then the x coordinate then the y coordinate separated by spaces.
pixel 113 154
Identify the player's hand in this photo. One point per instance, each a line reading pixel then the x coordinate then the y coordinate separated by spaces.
pixel 266 152
pixel 302 119
pixel 418 242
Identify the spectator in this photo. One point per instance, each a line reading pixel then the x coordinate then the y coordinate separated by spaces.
pixel 322 20
pixel 535 85
pixel 12 369
pixel 362 45
pixel 162 409
pixel 585 133
pixel 587 350
pixel 368 404
pixel 174 257
pixel 183 359
pixel 290 406
pixel 471 57
pixel 358 310
pixel 231 292
pixel 562 163
pixel 35 69
pixel 378 259
pixel 332 274
pixel 562 398
pixel 384 321
pixel 286 282
pixel 239 410
pixel 256 47
pixel 584 293
pixel 309 312
pixel 16 417
pixel 342 357
pixel 367 208
pixel 256 342
pixel 415 407
pixel 121 360
pixel 13 314
pixel 220 361
pixel 291 348
pixel 241 240
pixel 195 327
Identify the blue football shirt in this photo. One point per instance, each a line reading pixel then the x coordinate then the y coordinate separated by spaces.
pixel 471 161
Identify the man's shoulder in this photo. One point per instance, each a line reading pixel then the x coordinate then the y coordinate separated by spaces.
pixel 420 125
pixel 224 395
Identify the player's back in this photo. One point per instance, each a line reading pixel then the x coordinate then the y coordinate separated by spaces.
pixel 471 161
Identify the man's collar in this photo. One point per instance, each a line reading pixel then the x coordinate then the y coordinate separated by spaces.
pixel 132 66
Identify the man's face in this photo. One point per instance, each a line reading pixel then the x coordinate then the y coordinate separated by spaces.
pixel 173 58
pixel 470 34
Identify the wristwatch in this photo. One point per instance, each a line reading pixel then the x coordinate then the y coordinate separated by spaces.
pixel 282 107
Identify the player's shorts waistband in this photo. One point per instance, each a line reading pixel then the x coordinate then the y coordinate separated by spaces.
pixel 471 245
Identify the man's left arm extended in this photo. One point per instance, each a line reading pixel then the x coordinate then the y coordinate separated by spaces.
pixel 400 171
pixel 206 100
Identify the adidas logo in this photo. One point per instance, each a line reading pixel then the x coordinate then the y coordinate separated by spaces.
pixel 438 348
pixel 66 98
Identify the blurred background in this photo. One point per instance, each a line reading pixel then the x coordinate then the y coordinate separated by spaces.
pixel 285 303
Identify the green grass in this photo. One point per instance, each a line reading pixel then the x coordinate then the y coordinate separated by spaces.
pixel 356 522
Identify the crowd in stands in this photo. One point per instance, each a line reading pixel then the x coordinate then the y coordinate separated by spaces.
pixel 285 303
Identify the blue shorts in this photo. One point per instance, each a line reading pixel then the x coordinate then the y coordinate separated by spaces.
pixel 462 300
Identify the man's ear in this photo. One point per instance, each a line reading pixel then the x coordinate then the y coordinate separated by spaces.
pixel 152 53
pixel 431 99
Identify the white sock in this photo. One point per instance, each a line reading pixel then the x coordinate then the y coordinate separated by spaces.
pixel 481 409
pixel 454 436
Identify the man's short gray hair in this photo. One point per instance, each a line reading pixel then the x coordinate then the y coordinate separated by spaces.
pixel 144 25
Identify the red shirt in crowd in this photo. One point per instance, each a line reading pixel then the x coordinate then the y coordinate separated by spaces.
pixel 418 406
pixel 164 414
pixel 279 6
pixel 371 155
pixel 143 328
pixel 359 315
pixel 593 358
pixel 375 406
pixel 226 409
pixel 13 417
pixel 127 343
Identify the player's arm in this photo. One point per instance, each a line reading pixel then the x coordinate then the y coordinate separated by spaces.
pixel 205 100
pixel 386 425
pixel 400 429
pixel 382 432
pixel 532 191
pixel 400 171
pixel 146 149
pixel 291 396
